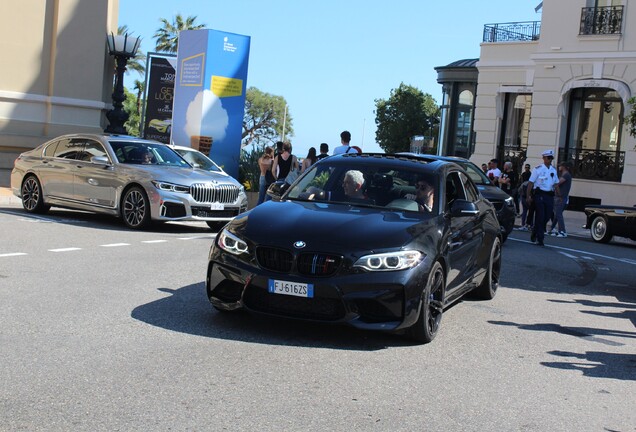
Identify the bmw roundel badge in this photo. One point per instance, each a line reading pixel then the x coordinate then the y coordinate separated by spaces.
pixel 300 244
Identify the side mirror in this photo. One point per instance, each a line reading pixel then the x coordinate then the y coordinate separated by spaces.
pixel 195 165
pixel 463 208
pixel 277 189
pixel 100 160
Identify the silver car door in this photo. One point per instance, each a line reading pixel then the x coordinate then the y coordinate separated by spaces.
pixel 95 182
pixel 56 172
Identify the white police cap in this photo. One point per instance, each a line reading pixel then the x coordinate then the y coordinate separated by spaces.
pixel 548 153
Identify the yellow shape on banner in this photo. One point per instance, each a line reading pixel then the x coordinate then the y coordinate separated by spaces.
pixel 226 87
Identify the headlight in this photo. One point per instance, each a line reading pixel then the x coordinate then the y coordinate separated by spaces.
pixel 510 202
pixel 231 243
pixel 390 261
pixel 171 187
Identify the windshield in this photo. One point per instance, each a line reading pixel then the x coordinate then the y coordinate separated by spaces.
pixel 147 153
pixel 372 185
pixel 195 157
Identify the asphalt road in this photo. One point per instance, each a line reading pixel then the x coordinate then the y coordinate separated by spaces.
pixel 102 328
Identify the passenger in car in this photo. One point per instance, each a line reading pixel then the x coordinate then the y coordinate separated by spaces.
pixel 424 195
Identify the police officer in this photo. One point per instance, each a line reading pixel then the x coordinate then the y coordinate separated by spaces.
pixel 541 189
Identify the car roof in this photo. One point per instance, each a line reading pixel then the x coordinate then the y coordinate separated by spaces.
pixel 403 160
pixel 107 137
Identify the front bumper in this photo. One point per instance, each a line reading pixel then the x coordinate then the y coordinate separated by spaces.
pixel 173 206
pixel 385 301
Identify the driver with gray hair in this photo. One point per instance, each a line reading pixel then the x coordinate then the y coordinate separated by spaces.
pixel 353 184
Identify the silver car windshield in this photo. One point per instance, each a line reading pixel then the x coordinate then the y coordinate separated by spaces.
pixel 147 153
pixel 196 157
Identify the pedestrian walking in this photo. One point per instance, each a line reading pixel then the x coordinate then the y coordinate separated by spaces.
pixel 509 183
pixel 344 147
pixel 561 199
pixel 540 190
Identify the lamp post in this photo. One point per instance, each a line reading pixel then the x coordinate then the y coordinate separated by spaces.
pixel 122 47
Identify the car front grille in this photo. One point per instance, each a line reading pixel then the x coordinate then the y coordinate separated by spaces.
pixel 317 308
pixel 308 264
pixel 497 204
pixel 208 193
pixel 318 264
pixel 274 259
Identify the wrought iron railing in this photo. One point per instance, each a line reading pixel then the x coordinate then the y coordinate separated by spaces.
pixel 601 20
pixel 511 32
pixel 596 164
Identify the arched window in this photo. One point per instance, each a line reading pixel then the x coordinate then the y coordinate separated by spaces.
pixel 593 143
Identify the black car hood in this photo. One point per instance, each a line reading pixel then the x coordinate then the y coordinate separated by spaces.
pixel 327 226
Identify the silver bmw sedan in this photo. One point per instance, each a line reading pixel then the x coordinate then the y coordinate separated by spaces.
pixel 135 179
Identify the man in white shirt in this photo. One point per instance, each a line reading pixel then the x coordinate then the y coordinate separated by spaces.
pixel 541 189
pixel 493 172
pixel 345 139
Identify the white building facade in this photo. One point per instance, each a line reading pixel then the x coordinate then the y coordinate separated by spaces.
pixel 562 83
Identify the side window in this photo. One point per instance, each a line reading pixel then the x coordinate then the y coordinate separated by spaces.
pixel 91 149
pixel 49 151
pixel 68 149
pixel 454 189
pixel 472 194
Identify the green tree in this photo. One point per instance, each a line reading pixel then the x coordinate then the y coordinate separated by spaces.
pixel 167 35
pixel 264 118
pixel 130 106
pixel 630 118
pixel 406 113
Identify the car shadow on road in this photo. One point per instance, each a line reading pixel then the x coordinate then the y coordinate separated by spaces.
pixel 187 310
pixel 104 222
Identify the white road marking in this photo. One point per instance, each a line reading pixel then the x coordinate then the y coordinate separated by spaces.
pixel 568 255
pixel 197 237
pixel 623 260
pixel 12 254
pixel 154 241
pixel 65 249
pixel 115 245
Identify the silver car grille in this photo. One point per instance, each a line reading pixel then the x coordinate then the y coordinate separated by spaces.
pixel 208 193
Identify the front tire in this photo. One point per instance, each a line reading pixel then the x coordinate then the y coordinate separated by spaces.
pixel 135 208
pixel 431 307
pixel 31 193
pixel 488 287
pixel 600 231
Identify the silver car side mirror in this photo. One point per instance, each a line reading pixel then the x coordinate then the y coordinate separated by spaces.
pixel 100 160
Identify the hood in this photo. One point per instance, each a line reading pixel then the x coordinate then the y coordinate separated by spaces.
pixel 324 226
pixel 178 175
pixel 492 193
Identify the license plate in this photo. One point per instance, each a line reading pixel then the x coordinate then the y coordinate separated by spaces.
pixel 291 288
pixel 217 206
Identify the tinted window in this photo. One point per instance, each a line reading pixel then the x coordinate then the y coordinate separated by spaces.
pixel 195 157
pixel 130 152
pixel 91 149
pixel 454 188
pixel 472 194
pixel 475 173
pixel 49 151
pixel 69 149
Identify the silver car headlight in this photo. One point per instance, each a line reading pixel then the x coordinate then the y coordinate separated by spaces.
pixel 231 243
pixel 390 261
pixel 170 187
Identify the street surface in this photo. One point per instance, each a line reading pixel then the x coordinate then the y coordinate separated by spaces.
pixel 103 328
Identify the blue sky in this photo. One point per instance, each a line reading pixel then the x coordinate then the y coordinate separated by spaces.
pixel 331 59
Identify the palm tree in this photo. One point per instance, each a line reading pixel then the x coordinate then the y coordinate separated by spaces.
pixel 167 36
pixel 138 62
pixel 140 86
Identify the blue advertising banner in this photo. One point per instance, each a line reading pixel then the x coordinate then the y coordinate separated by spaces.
pixel 209 97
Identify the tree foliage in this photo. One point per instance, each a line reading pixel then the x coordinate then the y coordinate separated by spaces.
pixel 630 118
pixel 167 36
pixel 264 118
pixel 406 113
pixel 134 117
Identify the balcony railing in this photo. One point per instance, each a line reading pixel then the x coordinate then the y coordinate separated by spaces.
pixel 601 20
pixel 512 32
pixel 597 164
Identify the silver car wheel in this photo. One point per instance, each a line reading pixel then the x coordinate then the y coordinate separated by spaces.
pixel 30 194
pixel 135 208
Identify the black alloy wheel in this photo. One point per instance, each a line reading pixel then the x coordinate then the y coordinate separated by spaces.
pixel 431 308
pixel 599 229
pixel 31 193
pixel 135 208
pixel 488 287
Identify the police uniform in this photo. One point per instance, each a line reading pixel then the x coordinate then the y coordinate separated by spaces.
pixel 544 179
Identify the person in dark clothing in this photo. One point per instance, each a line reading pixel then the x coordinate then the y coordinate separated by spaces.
pixel 285 163
pixel 509 183
pixel 324 151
